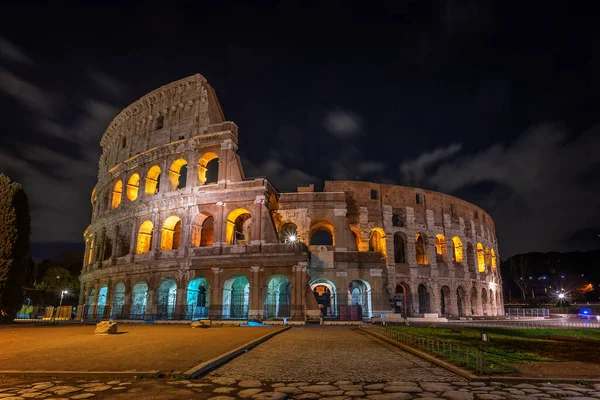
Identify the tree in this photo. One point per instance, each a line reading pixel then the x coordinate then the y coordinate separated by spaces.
pixel 58 279
pixel 15 230
pixel 518 268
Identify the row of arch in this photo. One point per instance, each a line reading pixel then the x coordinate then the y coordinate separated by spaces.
pixel 234 305
pixel 456 303
pixel 208 169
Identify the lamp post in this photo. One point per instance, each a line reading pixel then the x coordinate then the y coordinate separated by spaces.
pixel 62 295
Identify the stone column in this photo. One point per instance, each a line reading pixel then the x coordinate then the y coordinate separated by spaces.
pixel 181 302
pixel 109 294
pixel 220 225
pixel 113 250
pixel 340 222
pixel 186 227
pixel 152 299
pixel 454 304
pixel 192 171
pixel 254 309
pixel 95 304
pixel 164 181
pixel 133 240
pixel 81 301
pixel 216 294
pixel 257 222
pixel 127 299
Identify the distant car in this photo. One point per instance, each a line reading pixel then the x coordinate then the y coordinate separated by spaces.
pixel 586 314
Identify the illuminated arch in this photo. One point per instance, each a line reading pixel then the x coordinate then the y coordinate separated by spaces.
pixel 171 233
pixel 356 236
pixel 139 298
pixel 457 251
pixel 480 258
pixel 377 241
pixel 144 242
pixel 153 180
pixel 203 230
pixel 421 249
pixel 198 298
pixel 278 297
pixel 327 238
pixel 494 263
pixel 440 248
pixel 488 258
pixel 178 174
pixel 238 227
pixel 117 194
pixel 133 187
pixel 288 233
pixel 208 168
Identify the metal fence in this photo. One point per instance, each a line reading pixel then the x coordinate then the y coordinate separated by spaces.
pixel 527 312
pixel 523 324
pixel 468 357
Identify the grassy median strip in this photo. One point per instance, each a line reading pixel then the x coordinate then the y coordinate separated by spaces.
pixel 510 350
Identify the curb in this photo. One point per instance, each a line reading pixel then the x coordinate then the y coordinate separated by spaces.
pixel 79 373
pixel 452 368
pixel 209 365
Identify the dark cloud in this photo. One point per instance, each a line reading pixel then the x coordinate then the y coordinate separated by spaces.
pixel 343 124
pixel 10 52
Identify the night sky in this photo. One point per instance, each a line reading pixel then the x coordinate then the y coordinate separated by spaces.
pixel 494 102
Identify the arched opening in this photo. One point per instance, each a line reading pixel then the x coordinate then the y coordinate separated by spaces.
pixel 399 248
pixel 288 233
pixel 421 249
pixel 492 305
pixel 359 300
pixel 153 180
pixel 480 258
pixel 208 168
pixel 322 232
pixel 377 241
pixel 460 301
pixel 198 299
pixel 326 295
pixel 471 258
pixel 474 308
pixel 423 299
pixel 356 236
pixel 402 301
pixel 139 297
pixel 484 301
pixel 123 240
pixel 117 194
pixel 278 298
pixel 118 301
pixel 494 262
pixel 236 297
pixel 239 224
pixel 203 230
pixel 445 300
pixel 457 252
pixel 90 302
pixel 440 248
pixel 144 242
pixel 101 301
pixel 178 174
pixel 488 258
pixel 171 233
pixel 167 299
pixel 133 187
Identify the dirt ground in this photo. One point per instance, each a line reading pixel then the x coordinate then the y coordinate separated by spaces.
pixel 136 347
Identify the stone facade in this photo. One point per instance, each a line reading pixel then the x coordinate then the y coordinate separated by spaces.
pixel 179 232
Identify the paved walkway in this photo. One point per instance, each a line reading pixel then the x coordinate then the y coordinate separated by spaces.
pixel 318 353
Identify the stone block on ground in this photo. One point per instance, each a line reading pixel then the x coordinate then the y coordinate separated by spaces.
pixel 203 323
pixel 105 328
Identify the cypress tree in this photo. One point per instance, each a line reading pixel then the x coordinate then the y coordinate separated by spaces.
pixel 15 229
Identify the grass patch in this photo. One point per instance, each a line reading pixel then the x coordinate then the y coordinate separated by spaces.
pixel 509 350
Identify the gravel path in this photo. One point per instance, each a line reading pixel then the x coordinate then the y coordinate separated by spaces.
pixel 331 354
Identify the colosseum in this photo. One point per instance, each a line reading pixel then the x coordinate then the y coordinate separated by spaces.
pixel 178 232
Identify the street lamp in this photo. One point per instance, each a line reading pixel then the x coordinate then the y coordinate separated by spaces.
pixel 62 295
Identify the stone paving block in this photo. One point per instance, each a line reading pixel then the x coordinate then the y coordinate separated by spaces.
pixel 296 384
pixel 490 397
pixel 436 386
pixel 100 388
pixel 427 394
pixel 307 396
pixel 369 392
pixel 224 389
pixel 457 395
pixel 390 396
pixel 224 381
pixel 405 389
pixel 318 388
pixel 349 387
pixel 117 388
pixel 222 398
pixel 331 393
pixel 83 396
pixel 289 390
pixel 250 384
pixel 43 385
pixel 374 386
pixel 269 396
pixel 246 393
pixel 354 393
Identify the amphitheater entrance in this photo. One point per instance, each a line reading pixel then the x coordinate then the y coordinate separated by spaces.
pixel 401 299
pixel 236 298
pixel 118 300
pixel 423 300
pixel 360 301
pixel 326 296
pixel 101 301
pixel 445 300
pixel 167 298
pixel 91 298
pixel 278 299
pixel 198 299
pixel 460 301
pixel 139 297
pixel 474 308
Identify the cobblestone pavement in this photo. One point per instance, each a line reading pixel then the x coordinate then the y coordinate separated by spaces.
pixel 222 388
pixel 318 353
